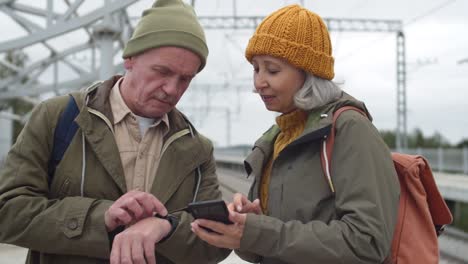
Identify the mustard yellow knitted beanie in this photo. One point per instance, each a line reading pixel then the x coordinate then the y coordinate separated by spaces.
pixel 297 35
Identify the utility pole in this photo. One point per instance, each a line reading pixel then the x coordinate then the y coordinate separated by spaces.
pixel 401 131
pixel 228 127
pixel 234 8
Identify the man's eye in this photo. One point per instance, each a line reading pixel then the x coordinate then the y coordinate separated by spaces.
pixel 161 71
pixel 185 79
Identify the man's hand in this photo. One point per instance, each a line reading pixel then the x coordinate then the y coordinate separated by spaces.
pixel 136 244
pixel 241 204
pixel 131 207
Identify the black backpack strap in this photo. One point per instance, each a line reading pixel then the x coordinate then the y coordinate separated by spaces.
pixel 63 135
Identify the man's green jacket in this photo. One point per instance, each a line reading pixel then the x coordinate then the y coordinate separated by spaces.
pixel 59 225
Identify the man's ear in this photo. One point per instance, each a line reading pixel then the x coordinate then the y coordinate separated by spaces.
pixel 128 63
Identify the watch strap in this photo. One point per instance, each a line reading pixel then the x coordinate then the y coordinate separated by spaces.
pixel 173 220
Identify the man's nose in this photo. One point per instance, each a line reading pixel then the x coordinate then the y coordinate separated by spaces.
pixel 171 87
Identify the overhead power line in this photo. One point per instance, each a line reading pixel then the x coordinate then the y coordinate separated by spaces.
pixel 408 22
pixel 429 12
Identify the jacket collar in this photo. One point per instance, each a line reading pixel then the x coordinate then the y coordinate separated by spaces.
pixel 98 99
pixel 99 135
pixel 103 143
pixel 314 130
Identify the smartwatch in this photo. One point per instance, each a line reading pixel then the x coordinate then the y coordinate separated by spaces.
pixel 173 220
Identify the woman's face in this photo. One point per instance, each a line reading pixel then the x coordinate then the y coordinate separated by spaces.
pixel 276 81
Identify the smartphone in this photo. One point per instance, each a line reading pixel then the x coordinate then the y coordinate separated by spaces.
pixel 215 210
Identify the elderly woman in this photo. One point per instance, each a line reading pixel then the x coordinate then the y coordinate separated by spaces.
pixel 293 213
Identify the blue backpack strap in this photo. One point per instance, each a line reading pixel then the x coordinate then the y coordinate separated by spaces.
pixel 63 135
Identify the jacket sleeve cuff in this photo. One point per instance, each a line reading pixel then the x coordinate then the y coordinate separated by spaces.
pixel 256 228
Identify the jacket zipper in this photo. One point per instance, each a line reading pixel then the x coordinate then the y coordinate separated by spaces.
pixel 173 138
pixel 169 141
pixel 103 117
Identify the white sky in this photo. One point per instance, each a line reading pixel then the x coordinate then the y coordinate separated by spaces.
pixel 437 87
pixel 436 39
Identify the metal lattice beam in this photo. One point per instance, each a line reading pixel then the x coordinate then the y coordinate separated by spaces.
pixel 31 27
pixel 63 28
pixel 61 23
pixel 112 15
pixel 71 10
pixel 34 90
pixel 33 10
pixel 42 64
pixel 6 2
pixel 333 24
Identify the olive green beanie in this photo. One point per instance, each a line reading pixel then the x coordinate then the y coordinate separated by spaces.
pixel 168 23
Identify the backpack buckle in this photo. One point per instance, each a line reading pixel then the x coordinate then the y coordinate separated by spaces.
pixel 440 229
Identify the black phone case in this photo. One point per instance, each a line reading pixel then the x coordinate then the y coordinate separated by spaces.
pixel 215 210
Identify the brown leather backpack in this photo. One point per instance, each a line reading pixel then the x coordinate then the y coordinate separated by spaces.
pixel 422 212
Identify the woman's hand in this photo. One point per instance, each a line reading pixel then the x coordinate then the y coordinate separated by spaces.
pixel 224 236
pixel 241 204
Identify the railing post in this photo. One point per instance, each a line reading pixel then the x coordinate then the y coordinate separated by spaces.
pixel 419 151
pixel 465 160
pixel 440 159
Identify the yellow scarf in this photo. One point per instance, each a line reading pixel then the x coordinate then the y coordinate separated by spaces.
pixel 291 126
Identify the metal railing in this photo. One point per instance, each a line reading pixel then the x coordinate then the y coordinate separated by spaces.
pixel 440 159
pixel 453 160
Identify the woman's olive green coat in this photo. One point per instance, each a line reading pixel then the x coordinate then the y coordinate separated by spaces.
pixel 59 226
pixel 307 223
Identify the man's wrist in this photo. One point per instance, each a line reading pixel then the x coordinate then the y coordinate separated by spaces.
pixel 173 221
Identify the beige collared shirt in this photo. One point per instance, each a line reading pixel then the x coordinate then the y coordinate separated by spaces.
pixel 140 155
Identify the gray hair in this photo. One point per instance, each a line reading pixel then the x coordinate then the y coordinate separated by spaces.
pixel 316 92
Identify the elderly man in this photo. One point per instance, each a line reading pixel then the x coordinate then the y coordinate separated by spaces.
pixel 133 159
